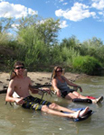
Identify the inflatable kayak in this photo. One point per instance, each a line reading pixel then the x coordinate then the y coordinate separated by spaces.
pixel 87 115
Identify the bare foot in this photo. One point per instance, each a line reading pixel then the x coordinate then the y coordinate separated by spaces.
pixel 98 100
pixel 83 112
pixel 75 114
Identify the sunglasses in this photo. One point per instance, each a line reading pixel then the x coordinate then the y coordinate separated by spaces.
pixel 22 67
pixel 59 70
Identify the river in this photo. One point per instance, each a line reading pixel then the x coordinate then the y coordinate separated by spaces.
pixel 18 121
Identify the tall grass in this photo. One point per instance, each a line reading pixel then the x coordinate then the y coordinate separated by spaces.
pixel 87 64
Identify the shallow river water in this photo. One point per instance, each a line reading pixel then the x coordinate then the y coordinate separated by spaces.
pixel 18 121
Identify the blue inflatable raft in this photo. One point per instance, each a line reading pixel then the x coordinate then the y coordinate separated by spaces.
pixel 87 115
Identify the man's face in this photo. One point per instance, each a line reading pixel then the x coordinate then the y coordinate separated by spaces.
pixel 19 69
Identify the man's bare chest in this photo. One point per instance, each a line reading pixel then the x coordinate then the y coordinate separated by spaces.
pixel 22 85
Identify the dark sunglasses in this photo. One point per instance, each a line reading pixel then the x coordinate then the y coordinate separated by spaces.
pixel 19 67
pixel 59 70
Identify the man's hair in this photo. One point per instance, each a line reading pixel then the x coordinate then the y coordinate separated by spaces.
pixel 18 63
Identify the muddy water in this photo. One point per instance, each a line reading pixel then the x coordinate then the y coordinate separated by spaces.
pixel 17 121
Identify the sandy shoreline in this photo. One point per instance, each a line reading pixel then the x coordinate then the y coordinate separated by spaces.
pixel 38 78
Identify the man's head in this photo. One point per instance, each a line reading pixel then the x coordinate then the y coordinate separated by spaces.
pixel 19 68
pixel 18 63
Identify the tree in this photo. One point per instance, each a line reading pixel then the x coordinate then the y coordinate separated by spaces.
pixel 5 24
pixel 71 42
pixel 91 46
pixel 46 29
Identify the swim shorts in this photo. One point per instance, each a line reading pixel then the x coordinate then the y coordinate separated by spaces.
pixel 34 103
pixel 64 93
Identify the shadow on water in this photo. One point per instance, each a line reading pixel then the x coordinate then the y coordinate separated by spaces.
pixel 18 121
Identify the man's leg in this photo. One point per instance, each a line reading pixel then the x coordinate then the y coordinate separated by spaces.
pixel 55 109
pixel 60 108
pixel 46 109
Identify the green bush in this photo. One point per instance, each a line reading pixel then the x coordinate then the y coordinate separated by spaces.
pixel 87 64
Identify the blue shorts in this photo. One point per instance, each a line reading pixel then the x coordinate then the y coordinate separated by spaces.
pixel 34 103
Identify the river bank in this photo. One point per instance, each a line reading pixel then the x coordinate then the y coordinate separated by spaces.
pixel 38 78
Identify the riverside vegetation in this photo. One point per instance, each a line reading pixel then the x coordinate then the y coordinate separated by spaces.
pixel 35 42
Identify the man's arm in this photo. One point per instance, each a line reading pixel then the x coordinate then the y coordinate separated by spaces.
pixel 10 91
pixel 33 90
pixel 37 91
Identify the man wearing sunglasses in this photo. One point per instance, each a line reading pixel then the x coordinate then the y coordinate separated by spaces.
pixel 22 86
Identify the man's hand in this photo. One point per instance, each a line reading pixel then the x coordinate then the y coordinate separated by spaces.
pixel 19 101
pixel 45 90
